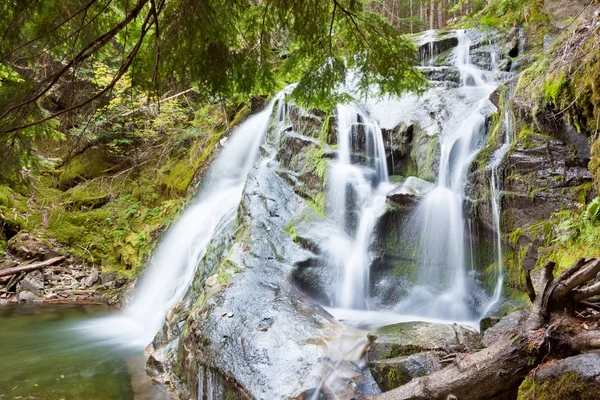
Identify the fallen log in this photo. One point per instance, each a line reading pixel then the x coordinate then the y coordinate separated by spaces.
pixel 31 267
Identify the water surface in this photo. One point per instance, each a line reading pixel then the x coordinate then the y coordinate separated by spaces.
pixel 42 356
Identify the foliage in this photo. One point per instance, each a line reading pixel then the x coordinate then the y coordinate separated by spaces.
pixel 88 61
pixel 571 235
pixel 509 13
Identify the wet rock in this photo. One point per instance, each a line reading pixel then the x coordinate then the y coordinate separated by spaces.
pixel 309 123
pixel 28 297
pixel 401 197
pixel 301 155
pixel 432 43
pixel 545 175
pixel 273 345
pixel 410 192
pixel 395 372
pixel 442 74
pixel 32 282
pixel 506 325
pixel 414 337
pixel 314 279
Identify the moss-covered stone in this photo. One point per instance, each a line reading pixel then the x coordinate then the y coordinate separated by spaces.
pixel 567 386
pixel 92 163
pixel 409 338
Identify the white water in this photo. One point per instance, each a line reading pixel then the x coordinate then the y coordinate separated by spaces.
pixel 357 185
pixel 442 289
pixel 170 272
pixel 497 157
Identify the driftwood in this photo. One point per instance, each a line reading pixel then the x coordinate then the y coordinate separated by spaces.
pixel 31 267
pixel 497 371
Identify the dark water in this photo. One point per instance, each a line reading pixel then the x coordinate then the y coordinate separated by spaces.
pixel 43 357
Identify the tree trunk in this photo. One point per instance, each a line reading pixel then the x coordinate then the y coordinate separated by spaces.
pixel 431 14
pixel 440 14
pixel 410 15
pixel 489 373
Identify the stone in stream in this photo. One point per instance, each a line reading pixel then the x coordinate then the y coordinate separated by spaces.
pixel 398 353
pixel 410 192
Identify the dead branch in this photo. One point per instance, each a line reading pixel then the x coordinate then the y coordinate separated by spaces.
pixel 31 267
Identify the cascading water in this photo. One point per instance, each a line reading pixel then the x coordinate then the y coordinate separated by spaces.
pixel 172 269
pixel 496 160
pixel 356 193
pixel 442 288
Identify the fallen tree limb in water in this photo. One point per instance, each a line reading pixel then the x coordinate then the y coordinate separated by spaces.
pixel 31 267
pixel 497 371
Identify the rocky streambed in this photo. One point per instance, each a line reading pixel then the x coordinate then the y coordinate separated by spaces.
pixel 65 280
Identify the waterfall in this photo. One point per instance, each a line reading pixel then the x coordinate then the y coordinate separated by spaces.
pixel 356 194
pixel 174 263
pixel 442 288
pixel 496 160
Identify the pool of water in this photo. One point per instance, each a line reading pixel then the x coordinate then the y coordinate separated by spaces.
pixel 42 356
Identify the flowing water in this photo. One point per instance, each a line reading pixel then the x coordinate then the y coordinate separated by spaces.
pixel 443 288
pixel 358 182
pixel 172 269
pixel 497 157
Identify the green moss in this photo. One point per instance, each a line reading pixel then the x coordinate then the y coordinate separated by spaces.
pixel 566 386
pixel 553 88
pixel 289 228
pixel 241 115
pixel 514 236
pixel 389 376
pixel 90 164
pixel 180 172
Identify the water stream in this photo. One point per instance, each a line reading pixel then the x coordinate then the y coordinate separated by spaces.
pixel 357 186
pixel 172 268
pixel 495 184
pixel 44 358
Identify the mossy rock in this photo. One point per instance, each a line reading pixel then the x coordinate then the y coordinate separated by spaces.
pixel 576 378
pixel 92 163
pixel 409 338
pixel 395 372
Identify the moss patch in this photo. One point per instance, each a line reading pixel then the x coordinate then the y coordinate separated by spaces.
pixel 567 386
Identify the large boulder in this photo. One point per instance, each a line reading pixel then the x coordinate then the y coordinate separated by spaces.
pixel 252 334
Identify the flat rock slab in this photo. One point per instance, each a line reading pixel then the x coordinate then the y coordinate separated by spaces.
pixel 415 337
